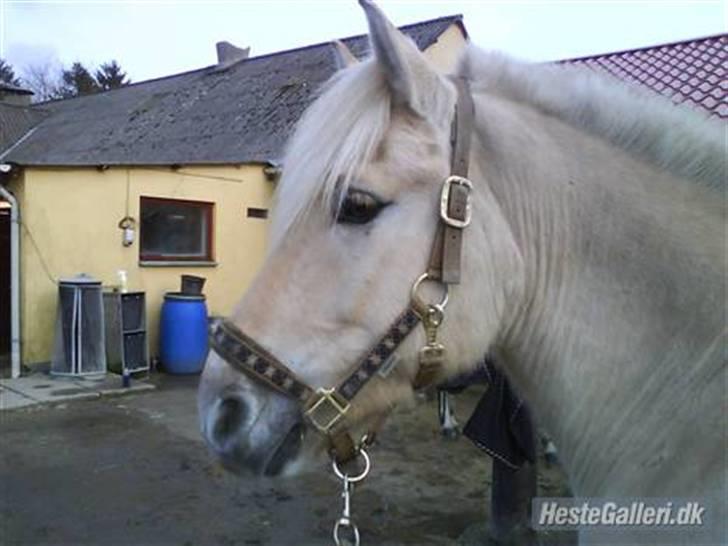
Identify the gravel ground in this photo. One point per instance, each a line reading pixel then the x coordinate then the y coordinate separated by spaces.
pixel 133 470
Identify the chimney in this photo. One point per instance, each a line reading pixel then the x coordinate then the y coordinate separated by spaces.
pixel 12 94
pixel 228 54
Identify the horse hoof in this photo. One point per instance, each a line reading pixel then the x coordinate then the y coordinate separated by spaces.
pixel 551 460
pixel 452 433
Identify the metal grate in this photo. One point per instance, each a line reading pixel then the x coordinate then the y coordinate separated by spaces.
pixel 132 311
pixel 135 351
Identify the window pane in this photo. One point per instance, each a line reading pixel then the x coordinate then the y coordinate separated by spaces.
pixel 174 229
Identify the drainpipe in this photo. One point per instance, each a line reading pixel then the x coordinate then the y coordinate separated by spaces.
pixel 14 274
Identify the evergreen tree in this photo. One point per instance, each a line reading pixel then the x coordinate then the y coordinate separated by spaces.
pixel 110 76
pixel 77 81
pixel 51 82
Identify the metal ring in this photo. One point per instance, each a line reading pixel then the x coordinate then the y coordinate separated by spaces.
pixel 359 477
pixel 346 523
pixel 419 303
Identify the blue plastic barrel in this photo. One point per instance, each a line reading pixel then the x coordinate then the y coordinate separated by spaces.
pixel 183 333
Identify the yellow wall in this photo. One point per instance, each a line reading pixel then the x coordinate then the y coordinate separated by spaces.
pixel 444 53
pixel 70 219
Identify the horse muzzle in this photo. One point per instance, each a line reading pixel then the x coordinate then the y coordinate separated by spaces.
pixel 246 441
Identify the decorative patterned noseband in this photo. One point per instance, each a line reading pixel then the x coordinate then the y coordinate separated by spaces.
pixel 325 408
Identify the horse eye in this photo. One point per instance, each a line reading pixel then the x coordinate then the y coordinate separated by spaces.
pixel 359 207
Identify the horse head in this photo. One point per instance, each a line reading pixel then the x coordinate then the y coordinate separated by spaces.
pixel 354 221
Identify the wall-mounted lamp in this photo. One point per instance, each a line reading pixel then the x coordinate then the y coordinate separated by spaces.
pixel 127 225
pixel 272 173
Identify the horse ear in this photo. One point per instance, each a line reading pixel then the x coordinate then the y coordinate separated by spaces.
pixel 405 69
pixel 344 57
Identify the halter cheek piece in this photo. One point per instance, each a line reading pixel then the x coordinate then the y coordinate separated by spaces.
pixel 325 408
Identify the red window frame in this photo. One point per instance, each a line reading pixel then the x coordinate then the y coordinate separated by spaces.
pixel 210 224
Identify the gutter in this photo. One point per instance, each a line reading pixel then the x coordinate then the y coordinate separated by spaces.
pixel 5 170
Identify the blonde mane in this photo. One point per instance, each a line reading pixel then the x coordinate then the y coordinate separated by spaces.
pixel 675 138
pixel 340 131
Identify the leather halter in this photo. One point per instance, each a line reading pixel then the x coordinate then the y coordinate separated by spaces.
pixel 325 408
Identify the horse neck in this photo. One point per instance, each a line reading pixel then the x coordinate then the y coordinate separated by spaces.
pixel 618 302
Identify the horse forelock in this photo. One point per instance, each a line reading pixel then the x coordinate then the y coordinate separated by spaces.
pixel 337 135
pixel 675 138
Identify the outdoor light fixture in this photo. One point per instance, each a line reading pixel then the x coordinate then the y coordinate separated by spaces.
pixel 127 225
pixel 272 173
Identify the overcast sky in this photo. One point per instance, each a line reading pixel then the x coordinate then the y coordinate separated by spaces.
pixel 152 38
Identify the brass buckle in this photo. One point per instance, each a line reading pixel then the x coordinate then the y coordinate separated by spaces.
pixel 445 202
pixel 327 409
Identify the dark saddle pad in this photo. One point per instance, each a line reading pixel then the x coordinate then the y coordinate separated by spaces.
pixel 501 423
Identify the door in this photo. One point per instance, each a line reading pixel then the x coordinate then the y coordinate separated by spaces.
pixel 4 285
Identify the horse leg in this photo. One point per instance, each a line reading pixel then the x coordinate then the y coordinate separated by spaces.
pixel 510 501
pixel 550 454
pixel 448 424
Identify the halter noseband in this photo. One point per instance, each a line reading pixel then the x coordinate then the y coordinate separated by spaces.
pixel 324 408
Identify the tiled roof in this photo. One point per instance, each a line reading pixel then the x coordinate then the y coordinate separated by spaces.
pixel 243 113
pixel 692 72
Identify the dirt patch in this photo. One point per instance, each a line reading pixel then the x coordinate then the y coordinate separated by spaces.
pixel 132 470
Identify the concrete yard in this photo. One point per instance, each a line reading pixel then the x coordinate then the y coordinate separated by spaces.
pixel 132 470
pixel 41 388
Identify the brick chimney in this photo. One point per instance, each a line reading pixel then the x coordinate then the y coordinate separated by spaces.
pixel 228 54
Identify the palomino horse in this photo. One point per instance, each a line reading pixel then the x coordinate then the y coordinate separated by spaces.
pixel 593 267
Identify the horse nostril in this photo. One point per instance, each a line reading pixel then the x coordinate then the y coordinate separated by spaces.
pixel 230 416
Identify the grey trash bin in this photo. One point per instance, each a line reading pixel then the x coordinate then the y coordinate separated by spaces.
pixel 79 347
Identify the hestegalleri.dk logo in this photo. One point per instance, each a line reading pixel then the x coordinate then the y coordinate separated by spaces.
pixel 570 513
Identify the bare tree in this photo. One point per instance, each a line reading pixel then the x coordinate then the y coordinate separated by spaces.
pixel 43 79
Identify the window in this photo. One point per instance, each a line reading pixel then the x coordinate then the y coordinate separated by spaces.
pixel 173 230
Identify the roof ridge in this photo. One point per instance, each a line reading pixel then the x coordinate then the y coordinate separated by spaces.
pixel 643 48
pixel 458 17
pixel 454 18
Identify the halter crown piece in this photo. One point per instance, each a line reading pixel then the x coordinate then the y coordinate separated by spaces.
pixel 325 408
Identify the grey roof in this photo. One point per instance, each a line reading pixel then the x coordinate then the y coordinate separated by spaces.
pixel 16 121
pixel 241 114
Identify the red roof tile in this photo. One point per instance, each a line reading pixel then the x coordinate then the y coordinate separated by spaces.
pixel 691 72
